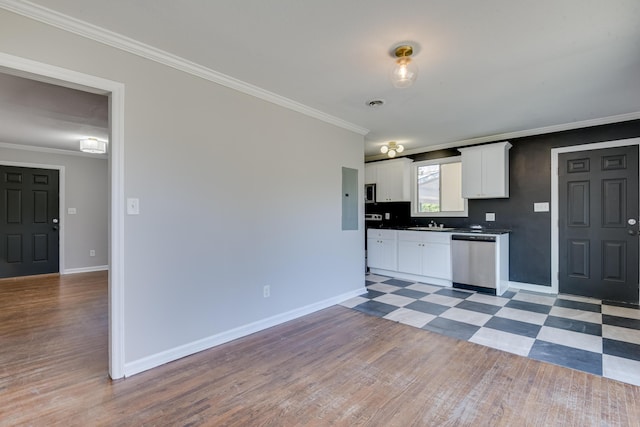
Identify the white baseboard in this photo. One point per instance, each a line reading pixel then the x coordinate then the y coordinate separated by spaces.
pixel 146 363
pixel 85 269
pixel 531 287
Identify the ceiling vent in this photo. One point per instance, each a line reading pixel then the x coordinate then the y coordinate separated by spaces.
pixel 375 103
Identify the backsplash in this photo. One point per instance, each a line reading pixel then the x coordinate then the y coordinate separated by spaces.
pixel 400 216
pixel 399 213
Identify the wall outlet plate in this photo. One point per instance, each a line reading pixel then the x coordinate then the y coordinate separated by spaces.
pixel 541 207
pixel 490 216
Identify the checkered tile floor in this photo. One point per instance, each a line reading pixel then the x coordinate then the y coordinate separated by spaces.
pixel 580 333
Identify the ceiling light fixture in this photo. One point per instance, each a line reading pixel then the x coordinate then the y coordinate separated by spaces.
pixel 405 72
pixel 92 145
pixel 391 149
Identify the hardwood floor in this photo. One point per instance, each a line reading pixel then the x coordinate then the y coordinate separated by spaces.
pixel 334 367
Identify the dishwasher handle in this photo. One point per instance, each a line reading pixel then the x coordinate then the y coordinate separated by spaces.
pixel 474 238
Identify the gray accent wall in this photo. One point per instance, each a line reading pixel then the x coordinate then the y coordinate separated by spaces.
pixel 86 188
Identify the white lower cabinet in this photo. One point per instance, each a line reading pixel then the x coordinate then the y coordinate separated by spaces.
pixel 437 260
pixel 425 253
pixel 410 252
pixel 382 249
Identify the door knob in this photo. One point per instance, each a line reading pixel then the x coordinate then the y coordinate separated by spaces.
pixel 632 221
pixel 55 220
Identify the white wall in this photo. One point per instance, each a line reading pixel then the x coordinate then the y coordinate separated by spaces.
pixel 86 189
pixel 235 193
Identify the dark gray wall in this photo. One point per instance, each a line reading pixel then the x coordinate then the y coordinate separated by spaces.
pixel 530 182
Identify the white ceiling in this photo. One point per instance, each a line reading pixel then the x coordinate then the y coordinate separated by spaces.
pixel 487 68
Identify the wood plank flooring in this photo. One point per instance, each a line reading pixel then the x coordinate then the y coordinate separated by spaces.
pixel 336 367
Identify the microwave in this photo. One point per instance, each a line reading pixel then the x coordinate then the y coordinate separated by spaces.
pixel 369 193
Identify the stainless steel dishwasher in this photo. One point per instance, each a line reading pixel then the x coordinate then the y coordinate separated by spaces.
pixel 473 261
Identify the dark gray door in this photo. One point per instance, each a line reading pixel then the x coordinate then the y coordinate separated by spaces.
pixel 29 240
pixel 598 230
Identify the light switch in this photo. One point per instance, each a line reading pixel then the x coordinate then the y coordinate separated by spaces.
pixel 133 206
pixel 71 211
pixel 490 216
pixel 541 207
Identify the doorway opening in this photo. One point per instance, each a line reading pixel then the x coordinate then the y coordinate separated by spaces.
pixel 34 70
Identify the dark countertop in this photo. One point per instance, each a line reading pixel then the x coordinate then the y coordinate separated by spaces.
pixel 483 231
pixel 448 230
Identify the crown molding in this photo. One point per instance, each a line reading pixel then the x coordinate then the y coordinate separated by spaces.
pixel 519 134
pixel 58 151
pixel 110 38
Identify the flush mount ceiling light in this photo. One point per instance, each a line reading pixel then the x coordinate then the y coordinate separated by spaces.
pixel 92 145
pixel 405 72
pixel 391 149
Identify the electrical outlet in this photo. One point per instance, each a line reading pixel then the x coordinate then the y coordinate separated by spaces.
pixel 266 291
pixel 92 253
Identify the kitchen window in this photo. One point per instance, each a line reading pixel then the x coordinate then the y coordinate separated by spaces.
pixel 436 188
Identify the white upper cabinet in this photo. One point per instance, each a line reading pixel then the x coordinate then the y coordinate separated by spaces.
pixel 370 175
pixel 392 179
pixel 485 171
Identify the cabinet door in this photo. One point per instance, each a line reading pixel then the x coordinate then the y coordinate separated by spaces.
pixel 495 171
pixel 390 254
pixel 485 171
pixel 410 257
pixel 384 184
pixel 374 253
pixel 392 182
pixel 437 261
pixel 471 174
pixel 382 254
pixel 370 175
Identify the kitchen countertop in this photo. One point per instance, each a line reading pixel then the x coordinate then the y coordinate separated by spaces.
pixel 449 230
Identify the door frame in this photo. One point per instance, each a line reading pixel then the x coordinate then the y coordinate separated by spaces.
pixel 555 229
pixel 61 201
pixel 115 90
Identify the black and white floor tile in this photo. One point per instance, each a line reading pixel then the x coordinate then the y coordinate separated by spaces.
pixel 580 333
